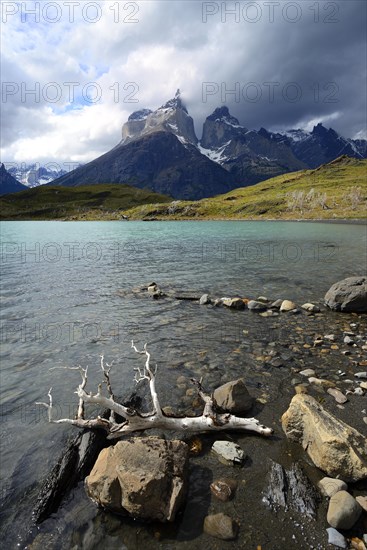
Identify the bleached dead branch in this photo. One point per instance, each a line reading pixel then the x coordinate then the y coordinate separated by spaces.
pixel 133 420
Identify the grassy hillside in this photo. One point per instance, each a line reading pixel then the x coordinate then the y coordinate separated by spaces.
pixel 88 202
pixel 332 191
pixel 335 190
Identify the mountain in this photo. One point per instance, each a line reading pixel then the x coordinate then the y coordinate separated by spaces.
pixel 33 175
pixel 156 161
pixel 8 184
pixel 158 151
pixel 337 190
pixel 323 145
pixel 250 156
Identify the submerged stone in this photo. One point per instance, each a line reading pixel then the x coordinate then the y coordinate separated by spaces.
pixel 335 538
pixel 229 452
pixel 233 397
pixel 343 511
pixel 220 526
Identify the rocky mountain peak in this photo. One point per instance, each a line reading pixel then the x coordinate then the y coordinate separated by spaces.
pixel 159 150
pixel 174 103
pixel 221 114
pixel 171 117
pixel 219 128
pixel 140 115
pixel 319 130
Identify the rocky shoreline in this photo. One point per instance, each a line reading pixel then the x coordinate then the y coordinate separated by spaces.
pixel 322 369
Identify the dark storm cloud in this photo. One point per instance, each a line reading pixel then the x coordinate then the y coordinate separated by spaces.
pixel 292 72
pixel 289 63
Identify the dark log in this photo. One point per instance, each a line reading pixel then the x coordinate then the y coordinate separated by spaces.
pixel 291 489
pixel 276 492
pixel 304 497
pixel 73 466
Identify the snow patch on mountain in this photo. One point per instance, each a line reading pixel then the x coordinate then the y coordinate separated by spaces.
pixel 216 155
pixel 230 121
pixel 297 135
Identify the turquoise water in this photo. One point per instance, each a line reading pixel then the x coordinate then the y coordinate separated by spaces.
pixel 66 298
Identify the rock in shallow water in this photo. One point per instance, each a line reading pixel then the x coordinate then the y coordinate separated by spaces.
pixel 287 305
pixel 311 307
pixel 307 372
pixel 234 303
pixel 229 452
pixel 154 291
pixel 338 395
pixel 204 300
pixel 362 501
pixel 343 511
pixel 350 294
pixel 336 538
pixel 233 397
pixel 329 486
pixel 220 526
pixel 223 489
pixel 254 305
pixel 333 446
pixel 277 304
pixel 146 477
pixel 321 382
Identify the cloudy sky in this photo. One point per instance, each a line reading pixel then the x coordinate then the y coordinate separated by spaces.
pixel 73 71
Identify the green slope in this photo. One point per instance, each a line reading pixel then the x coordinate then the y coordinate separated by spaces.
pixel 332 191
pixel 87 202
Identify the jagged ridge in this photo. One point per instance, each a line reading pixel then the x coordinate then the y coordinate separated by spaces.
pixel 159 150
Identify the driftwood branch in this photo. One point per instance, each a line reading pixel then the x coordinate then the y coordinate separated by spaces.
pixel 133 420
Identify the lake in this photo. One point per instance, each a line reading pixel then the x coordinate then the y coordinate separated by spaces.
pixel 67 297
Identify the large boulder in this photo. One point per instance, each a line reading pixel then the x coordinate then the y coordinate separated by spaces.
pixel 233 397
pixel 146 477
pixel 348 295
pixel 334 447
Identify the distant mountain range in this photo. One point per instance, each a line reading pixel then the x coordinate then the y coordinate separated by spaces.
pixel 160 151
pixel 29 175
pixel 33 175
